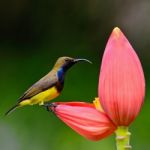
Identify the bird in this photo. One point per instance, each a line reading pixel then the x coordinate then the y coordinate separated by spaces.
pixel 49 86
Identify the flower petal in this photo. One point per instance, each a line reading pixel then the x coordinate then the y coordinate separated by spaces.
pixel 121 81
pixel 84 119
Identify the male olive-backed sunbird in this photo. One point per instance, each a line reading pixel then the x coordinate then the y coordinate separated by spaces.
pixel 48 87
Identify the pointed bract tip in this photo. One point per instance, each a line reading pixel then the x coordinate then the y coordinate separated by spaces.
pixel 116 31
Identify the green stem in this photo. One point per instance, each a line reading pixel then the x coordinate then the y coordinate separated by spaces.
pixel 123 138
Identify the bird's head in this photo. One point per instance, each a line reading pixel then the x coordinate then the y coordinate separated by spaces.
pixel 67 62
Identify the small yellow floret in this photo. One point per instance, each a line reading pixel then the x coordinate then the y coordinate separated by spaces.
pixel 97 104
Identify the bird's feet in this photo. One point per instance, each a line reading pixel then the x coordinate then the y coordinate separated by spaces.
pixel 50 106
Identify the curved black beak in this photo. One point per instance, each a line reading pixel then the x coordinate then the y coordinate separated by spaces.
pixel 81 59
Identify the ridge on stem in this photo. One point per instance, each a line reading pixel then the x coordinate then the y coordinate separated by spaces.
pixel 123 138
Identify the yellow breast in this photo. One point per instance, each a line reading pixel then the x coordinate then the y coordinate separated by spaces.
pixel 41 97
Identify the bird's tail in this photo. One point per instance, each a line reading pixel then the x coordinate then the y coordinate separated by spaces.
pixel 12 109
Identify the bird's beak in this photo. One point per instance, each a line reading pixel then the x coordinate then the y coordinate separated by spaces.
pixel 81 59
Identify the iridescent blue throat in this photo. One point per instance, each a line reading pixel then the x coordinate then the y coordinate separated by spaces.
pixel 60 75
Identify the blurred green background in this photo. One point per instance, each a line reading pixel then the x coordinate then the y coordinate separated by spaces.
pixel 33 34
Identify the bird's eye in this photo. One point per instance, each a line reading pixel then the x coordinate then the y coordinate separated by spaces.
pixel 66 60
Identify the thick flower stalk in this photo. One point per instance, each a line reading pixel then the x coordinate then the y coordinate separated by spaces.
pixel 121 91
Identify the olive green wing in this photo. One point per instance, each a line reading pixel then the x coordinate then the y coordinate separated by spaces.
pixel 42 85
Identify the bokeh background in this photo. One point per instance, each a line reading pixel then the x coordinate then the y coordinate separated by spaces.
pixel 33 33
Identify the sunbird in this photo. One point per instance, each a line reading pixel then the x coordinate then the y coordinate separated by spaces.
pixel 48 87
